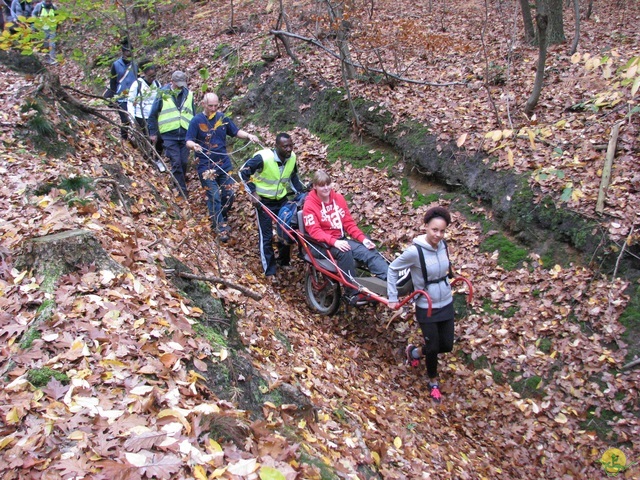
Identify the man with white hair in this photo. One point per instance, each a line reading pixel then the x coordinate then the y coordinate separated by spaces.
pixel 207 137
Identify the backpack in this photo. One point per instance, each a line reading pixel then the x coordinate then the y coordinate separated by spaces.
pixel 288 218
pixel 423 266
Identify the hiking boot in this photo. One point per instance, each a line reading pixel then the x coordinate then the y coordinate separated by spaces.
pixel 412 362
pixel 434 392
pixel 223 233
pixel 284 265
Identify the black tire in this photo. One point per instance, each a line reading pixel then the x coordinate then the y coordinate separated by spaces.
pixel 322 292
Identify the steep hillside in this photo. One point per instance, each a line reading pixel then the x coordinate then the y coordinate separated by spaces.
pixel 533 388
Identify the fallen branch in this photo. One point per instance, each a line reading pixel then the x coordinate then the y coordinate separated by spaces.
pixel 227 283
pixel 313 41
pixel 606 171
pixel 631 364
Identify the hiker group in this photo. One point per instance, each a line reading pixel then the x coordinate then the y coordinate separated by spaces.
pixel 17 13
pixel 169 119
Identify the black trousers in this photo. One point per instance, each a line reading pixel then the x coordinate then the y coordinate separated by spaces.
pixel 265 232
pixel 125 120
pixel 438 335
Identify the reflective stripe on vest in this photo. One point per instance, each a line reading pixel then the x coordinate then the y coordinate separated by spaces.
pixel 171 117
pixel 270 183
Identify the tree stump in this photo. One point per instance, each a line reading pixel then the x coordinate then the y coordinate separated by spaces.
pixel 62 253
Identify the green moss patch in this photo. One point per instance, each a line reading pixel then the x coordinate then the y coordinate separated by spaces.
pixel 326 472
pixel 213 336
pixel 530 387
pixel 630 318
pixel 510 255
pixel 40 377
pixel 601 422
pixel 492 308
pixel 29 336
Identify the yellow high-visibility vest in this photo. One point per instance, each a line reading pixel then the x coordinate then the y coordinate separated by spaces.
pixel 270 183
pixel 171 117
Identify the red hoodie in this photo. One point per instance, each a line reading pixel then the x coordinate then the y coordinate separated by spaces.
pixel 328 222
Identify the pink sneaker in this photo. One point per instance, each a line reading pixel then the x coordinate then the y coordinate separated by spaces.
pixel 434 391
pixel 412 362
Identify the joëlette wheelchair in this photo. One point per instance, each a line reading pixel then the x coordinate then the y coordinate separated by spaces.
pixel 323 280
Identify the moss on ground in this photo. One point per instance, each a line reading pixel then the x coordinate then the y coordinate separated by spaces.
pixel 28 337
pixel 40 377
pixel 544 344
pixel 282 337
pixel 630 318
pixel 601 422
pixel 326 472
pixel 529 387
pixel 494 309
pixel 510 255
pixel 212 335
pixel 51 275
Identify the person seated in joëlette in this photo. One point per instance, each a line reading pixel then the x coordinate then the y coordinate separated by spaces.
pixel 327 219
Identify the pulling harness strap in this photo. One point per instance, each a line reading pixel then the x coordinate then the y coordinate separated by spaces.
pixel 423 266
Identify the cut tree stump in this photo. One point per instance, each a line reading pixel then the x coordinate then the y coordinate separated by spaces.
pixel 62 253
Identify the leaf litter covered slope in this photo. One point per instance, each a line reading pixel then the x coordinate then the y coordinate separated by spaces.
pixel 125 342
pixel 563 144
pixel 134 408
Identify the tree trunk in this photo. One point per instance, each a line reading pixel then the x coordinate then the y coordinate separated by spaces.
pixel 529 32
pixel 555 29
pixel 345 54
pixel 282 18
pixel 576 37
pixel 541 21
pixel 587 15
pixel 341 26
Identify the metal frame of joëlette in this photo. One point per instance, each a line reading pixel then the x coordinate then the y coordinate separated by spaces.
pixel 339 275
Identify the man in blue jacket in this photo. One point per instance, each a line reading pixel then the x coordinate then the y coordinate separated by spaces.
pixel 207 136
pixel 123 73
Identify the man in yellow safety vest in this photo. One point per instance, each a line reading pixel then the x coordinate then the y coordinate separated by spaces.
pixel 269 176
pixel 45 13
pixel 170 115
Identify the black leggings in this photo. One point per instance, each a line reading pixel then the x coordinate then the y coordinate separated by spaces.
pixel 438 338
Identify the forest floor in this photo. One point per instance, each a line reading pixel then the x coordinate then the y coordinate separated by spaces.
pixel 533 388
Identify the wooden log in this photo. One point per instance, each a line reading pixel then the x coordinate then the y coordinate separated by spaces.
pixel 227 283
pixel 606 171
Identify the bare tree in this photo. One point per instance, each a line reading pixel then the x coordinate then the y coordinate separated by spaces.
pixel 555 25
pixel 283 18
pixel 587 15
pixel 341 27
pixel 542 21
pixel 576 37
pixel 486 63
pixel 529 32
